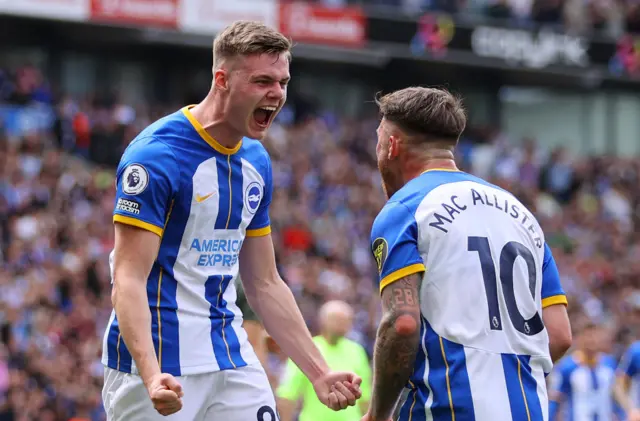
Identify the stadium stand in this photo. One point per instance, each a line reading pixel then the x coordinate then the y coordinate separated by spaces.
pixel 57 189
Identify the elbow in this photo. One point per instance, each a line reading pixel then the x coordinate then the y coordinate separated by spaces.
pixel 566 341
pixel 405 325
pixel 257 289
pixel 401 326
pixel 562 341
pixel 114 295
pixel 251 293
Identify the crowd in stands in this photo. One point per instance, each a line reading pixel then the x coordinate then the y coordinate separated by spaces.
pixel 611 16
pixel 57 162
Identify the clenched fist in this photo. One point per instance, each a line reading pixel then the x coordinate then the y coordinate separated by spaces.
pixel 165 393
pixel 338 389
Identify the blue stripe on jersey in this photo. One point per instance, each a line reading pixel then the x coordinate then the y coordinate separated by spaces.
pixel 224 340
pixel 413 408
pixel 229 333
pixel 161 292
pixel 231 196
pixel 522 388
pixel 449 379
pixel 568 409
pixel 530 388
pixel 119 357
pixel 168 329
pixel 237 193
pixel 595 385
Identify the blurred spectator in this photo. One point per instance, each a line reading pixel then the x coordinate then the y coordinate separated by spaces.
pixel 499 9
pixel 548 11
pixel 55 231
pixel 342 354
pixel 557 177
pixel 632 13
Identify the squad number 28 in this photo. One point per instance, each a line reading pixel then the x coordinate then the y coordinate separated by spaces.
pixel 510 252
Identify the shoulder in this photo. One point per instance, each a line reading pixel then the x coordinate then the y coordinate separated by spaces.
pixel 253 149
pixel 393 215
pixel 148 150
pixel 319 341
pixel 633 351
pixel 168 126
pixel 609 361
pixel 157 139
pixel 254 152
pixel 567 365
pixel 355 347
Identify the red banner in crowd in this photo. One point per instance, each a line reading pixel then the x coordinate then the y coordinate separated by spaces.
pixel 136 12
pixel 323 25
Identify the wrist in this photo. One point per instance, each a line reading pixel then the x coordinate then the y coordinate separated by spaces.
pixel 147 374
pixel 318 370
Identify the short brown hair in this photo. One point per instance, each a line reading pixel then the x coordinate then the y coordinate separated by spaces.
pixel 430 112
pixel 243 38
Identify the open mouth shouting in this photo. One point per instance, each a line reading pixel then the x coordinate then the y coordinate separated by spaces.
pixel 264 115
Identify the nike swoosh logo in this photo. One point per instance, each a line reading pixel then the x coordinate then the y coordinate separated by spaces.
pixel 201 199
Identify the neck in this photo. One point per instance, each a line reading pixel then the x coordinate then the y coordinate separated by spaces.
pixel 589 358
pixel 331 339
pixel 425 163
pixel 210 114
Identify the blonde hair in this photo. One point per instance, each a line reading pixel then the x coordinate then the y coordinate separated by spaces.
pixel 243 38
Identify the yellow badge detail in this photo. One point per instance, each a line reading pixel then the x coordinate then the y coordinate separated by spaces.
pixel 380 250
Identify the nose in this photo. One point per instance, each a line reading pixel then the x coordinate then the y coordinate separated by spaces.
pixel 277 92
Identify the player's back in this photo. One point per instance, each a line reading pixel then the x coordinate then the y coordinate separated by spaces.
pixel 484 349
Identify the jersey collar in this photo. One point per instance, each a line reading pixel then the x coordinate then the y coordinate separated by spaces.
pixel 206 136
pixel 440 169
pixel 582 359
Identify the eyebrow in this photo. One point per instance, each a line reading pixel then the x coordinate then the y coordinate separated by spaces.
pixel 285 79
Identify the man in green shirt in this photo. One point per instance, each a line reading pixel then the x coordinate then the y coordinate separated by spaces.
pixel 341 354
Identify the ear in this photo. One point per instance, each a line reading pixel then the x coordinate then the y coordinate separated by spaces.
pixel 394 147
pixel 221 79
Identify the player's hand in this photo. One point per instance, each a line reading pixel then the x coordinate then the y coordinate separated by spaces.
pixel 165 393
pixel 338 389
pixel 634 415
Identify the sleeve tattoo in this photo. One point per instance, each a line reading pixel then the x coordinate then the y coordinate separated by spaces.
pixel 397 344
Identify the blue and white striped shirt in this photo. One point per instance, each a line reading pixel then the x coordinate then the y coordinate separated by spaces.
pixel 585 390
pixel 202 199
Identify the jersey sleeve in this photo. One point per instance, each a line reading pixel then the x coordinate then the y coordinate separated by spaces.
pixel 292 385
pixel 260 224
pixel 552 292
pixel 394 243
pixel 147 180
pixel 630 362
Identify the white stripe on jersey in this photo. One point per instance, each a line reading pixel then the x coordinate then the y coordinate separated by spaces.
pixel 230 295
pixel 425 378
pixel 488 384
pixel 190 295
pixel 536 364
